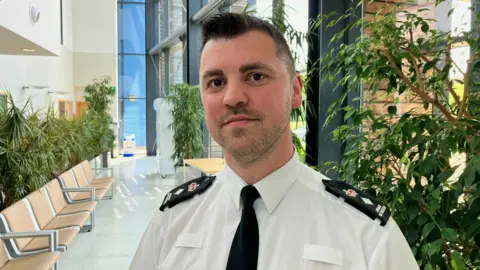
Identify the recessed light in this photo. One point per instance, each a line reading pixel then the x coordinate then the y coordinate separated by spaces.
pixel 28 50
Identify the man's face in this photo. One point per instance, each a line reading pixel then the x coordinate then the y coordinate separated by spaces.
pixel 247 93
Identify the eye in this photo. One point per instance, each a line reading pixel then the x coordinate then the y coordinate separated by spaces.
pixel 257 76
pixel 216 83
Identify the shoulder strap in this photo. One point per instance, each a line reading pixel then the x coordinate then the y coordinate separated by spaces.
pixel 186 191
pixel 367 204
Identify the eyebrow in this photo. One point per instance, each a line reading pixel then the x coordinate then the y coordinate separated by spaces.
pixel 255 66
pixel 212 73
pixel 244 68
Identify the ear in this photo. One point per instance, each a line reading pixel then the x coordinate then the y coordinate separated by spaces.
pixel 297 86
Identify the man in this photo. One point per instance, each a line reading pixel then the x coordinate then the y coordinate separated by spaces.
pixel 265 210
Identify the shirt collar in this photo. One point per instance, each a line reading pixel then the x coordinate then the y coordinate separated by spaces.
pixel 272 188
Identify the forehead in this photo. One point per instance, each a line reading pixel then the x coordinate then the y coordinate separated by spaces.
pixel 250 47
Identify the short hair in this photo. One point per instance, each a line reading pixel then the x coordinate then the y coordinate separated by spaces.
pixel 227 25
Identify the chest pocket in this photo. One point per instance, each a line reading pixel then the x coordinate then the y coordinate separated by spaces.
pixel 184 253
pixel 322 258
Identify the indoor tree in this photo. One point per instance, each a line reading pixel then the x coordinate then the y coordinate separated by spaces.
pixel 404 158
pixel 188 115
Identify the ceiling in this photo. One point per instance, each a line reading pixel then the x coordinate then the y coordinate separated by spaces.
pixel 12 43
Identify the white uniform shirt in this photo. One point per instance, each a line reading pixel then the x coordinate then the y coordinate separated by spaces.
pixel 301 227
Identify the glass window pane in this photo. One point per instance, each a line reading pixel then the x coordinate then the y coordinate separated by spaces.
pixel 176 14
pixel 133 76
pixel 133 36
pixel 134 120
pixel 176 64
pixel 136 1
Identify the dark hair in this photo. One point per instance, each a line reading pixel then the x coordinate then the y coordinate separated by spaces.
pixel 227 25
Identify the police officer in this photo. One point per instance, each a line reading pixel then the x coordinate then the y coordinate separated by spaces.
pixel 265 209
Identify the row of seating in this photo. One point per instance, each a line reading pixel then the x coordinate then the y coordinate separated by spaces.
pixel 35 230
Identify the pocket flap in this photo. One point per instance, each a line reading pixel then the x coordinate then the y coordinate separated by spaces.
pixel 323 254
pixel 191 240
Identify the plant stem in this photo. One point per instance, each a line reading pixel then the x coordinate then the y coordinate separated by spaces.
pixel 466 86
pixel 423 95
pixel 417 70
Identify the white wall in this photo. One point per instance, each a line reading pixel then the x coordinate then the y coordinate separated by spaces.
pixel 89 50
pixel 94 44
pixel 54 72
pixel 15 16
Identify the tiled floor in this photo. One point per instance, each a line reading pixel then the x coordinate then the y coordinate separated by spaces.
pixel 120 222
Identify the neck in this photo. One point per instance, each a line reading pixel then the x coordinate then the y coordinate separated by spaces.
pixel 269 162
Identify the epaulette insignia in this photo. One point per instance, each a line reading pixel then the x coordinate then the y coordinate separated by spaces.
pixel 186 191
pixel 369 205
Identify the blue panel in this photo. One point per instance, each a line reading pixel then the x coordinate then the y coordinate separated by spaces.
pixel 134 120
pixel 134 76
pixel 133 35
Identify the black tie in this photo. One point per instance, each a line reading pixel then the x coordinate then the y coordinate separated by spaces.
pixel 244 250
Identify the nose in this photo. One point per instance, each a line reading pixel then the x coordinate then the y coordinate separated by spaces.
pixel 235 95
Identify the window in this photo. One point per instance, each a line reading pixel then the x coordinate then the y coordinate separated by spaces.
pixel 132 70
pixel 134 119
pixel 176 63
pixel 176 15
pixel 133 76
pixel 132 34
pixel 65 109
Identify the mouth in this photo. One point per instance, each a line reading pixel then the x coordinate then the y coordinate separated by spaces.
pixel 239 121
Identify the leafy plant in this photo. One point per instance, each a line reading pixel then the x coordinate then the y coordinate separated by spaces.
pixel 188 116
pixel 36 147
pixel 99 96
pixel 402 155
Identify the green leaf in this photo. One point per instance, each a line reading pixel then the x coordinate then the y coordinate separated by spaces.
pixel 413 211
pixel 392 110
pixel 457 261
pixel 468 175
pixel 330 78
pixel 428 229
pixel 422 219
pixel 425 27
pixel 473 229
pixel 450 12
pixel 434 247
pixel 476 163
pixel 449 234
pixel 428 266
pixel 436 194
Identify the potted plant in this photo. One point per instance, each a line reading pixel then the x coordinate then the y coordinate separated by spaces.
pixel 403 154
pixel 188 116
pixel 99 96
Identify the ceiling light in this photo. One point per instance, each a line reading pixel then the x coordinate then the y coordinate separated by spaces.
pixel 28 50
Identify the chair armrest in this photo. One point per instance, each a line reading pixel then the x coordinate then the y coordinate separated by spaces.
pixel 103 169
pixel 51 234
pixel 83 189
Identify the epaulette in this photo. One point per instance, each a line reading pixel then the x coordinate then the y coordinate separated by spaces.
pixel 367 204
pixel 186 191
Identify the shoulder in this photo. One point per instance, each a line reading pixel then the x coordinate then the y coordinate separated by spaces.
pixel 187 191
pixel 361 201
pixel 345 196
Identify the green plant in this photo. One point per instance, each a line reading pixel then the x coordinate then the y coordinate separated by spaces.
pixel 99 96
pixel 404 158
pixel 36 147
pixel 188 116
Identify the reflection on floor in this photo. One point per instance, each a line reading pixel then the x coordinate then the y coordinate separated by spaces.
pixel 120 222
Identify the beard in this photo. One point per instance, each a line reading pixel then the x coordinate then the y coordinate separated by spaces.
pixel 248 144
